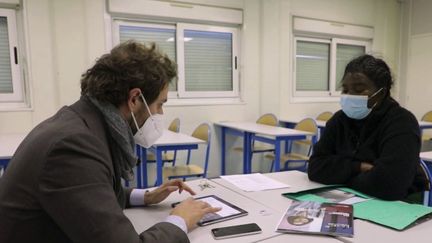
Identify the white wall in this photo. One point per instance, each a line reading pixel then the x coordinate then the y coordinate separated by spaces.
pixel 65 37
pixel 416 58
pixel 276 45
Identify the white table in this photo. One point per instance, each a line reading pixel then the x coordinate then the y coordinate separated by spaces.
pixel 364 232
pixel 253 131
pixel 273 199
pixel 425 125
pixel 8 145
pixel 291 122
pixel 169 141
pixel 426 156
pixel 266 218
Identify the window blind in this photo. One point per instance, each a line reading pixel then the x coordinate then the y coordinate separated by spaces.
pixel 344 54
pixel 208 61
pixel 163 37
pixel 6 85
pixel 312 66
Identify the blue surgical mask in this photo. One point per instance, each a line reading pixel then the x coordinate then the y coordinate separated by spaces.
pixel 356 106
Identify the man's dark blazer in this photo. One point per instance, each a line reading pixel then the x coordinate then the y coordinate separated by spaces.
pixel 58 186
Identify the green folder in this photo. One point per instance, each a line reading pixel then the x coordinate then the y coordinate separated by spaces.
pixel 394 214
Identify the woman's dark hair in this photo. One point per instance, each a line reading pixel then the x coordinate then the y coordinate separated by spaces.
pixel 129 65
pixel 374 68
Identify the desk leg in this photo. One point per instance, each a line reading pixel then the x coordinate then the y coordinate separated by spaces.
pixel 144 167
pixel 223 143
pixel 139 167
pixel 158 167
pixel 247 151
pixel 277 155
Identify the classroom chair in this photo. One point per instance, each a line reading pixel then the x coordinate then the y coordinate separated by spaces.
pixel 3 165
pixel 266 119
pixel 324 116
pixel 167 156
pixel 427 198
pixel 298 161
pixel 428 118
pixel 189 169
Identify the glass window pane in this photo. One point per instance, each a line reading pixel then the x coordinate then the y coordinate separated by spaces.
pixel 344 54
pixel 208 61
pixel 312 66
pixel 164 38
pixel 6 85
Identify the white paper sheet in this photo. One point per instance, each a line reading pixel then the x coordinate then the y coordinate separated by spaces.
pixel 254 182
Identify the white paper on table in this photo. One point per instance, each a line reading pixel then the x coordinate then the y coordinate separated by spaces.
pixel 254 182
pixel 354 200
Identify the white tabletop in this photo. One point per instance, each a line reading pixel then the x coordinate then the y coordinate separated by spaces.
pixel 364 232
pixel 426 156
pixel 425 124
pixel 9 143
pixel 297 181
pixel 173 138
pixel 262 129
pixel 143 218
pixel 320 124
pixel 266 218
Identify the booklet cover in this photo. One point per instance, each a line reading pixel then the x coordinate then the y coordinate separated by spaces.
pixel 318 218
pixel 393 214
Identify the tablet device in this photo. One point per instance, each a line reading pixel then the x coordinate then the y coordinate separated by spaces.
pixel 228 210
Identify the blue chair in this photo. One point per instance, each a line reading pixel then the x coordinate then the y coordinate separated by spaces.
pixel 427 198
pixel 294 160
pixel 3 165
pixel 187 170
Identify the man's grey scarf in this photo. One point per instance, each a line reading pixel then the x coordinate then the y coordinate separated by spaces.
pixel 123 154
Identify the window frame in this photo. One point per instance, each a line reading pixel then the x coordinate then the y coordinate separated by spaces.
pixel 17 96
pixel 181 88
pixel 179 28
pixel 332 94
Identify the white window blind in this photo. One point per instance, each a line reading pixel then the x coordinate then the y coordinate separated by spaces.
pixel 206 55
pixel 6 84
pixel 11 90
pixel 344 54
pixel 208 61
pixel 320 64
pixel 312 66
pixel 163 36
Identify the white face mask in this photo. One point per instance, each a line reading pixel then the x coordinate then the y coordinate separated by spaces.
pixel 151 130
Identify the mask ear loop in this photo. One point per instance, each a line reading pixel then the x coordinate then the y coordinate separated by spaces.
pixel 374 95
pixel 147 107
pixel 135 122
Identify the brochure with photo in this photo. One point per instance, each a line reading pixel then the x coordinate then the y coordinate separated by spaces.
pixel 318 218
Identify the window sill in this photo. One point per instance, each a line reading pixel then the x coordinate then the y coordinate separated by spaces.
pixel 314 99
pixel 15 107
pixel 204 102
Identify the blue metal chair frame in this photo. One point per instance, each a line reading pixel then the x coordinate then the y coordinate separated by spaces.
pixel 206 161
pixel 427 198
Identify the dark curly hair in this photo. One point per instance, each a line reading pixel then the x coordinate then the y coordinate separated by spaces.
pixel 129 65
pixel 374 68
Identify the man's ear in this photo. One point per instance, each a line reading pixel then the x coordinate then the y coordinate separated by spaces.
pixel 133 98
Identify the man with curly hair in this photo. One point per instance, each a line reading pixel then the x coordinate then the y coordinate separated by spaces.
pixel 64 182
